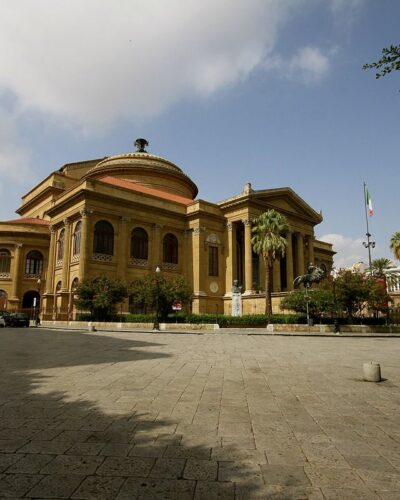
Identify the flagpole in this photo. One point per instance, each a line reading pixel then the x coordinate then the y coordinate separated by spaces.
pixel 368 234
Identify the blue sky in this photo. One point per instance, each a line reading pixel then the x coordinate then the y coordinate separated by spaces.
pixel 263 91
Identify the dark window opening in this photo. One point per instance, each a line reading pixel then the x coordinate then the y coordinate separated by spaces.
pixel 34 263
pixel 60 249
pixel 103 242
pixel 76 249
pixel 5 261
pixel 170 249
pixel 139 244
pixel 213 261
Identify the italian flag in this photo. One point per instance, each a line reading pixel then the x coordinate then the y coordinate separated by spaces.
pixel 369 204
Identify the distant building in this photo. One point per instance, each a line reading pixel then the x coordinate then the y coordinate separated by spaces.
pixel 124 215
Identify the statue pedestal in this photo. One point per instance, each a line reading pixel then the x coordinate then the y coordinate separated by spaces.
pixel 236 304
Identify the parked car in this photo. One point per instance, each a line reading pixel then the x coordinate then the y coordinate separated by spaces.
pixel 19 319
pixel 4 319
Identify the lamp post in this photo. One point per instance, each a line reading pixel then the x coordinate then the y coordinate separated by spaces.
pixel 39 284
pixel 369 244
pixel 156 325
pixel 336 326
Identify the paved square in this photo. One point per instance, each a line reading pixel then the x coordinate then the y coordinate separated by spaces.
pixel 176 416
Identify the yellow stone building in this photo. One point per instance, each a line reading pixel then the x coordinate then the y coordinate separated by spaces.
pixel 124 215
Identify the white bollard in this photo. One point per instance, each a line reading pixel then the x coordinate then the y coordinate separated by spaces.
pixel 372 371
pixel 90 327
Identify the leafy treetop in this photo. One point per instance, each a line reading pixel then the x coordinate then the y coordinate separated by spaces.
pixel 390 61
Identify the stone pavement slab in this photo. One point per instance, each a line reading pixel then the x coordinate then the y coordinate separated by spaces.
pixel 154 415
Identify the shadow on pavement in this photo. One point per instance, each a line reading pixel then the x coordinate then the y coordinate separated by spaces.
pixel 77 423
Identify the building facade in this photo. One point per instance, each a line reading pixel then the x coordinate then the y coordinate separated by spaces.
pixel 124 215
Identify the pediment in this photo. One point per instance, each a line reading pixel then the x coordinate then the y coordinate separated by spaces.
pixel 285 200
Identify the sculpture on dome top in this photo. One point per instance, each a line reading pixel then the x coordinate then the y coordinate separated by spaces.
pixel 140 144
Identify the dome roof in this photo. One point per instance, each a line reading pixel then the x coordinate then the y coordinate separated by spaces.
pixel 147 169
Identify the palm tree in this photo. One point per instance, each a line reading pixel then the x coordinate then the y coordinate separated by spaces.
pixel 385 270
pixel 379 267
pixel 268 241
pixel 395 244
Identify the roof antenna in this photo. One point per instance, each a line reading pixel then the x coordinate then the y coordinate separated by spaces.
pixel 140 144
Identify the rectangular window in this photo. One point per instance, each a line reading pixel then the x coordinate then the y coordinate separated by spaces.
pixel 213 261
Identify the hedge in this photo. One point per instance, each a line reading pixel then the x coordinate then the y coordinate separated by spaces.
pixel 225 321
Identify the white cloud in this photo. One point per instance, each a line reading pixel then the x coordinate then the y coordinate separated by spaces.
pixel 95 61
pixel 349 250
pixel 89 63
pixel 14 158
pixel 309 64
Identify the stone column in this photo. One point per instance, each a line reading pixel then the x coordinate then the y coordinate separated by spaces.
pixel 122 248
pixel 248 258
pixel 311 257
pixel 276 273
pixel 16 275
pixel 230 274
pixel 300 253
pixel 50 266
pixel 66 256
pixel 289 262
pixel 84 246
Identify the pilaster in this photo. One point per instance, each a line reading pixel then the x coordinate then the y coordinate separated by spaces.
pixel 50 267
pixel 199 272
pixel 156 256
pixel 67 255
pixel 122 246
pixel 16 275
pixel 84 246
pixel 248 260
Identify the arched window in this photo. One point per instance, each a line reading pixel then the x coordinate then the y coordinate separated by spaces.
pixel 31 299
pixel 139 244
pixel 58 286
pixel 170 249
pixel 3 300
pixel 5 259
pixel 74 284
pixel 76 250
pixel 103 242
pixel 60 248
pixel 34 262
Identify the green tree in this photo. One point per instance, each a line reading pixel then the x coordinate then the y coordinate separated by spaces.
pixel 352 292
pixel 390 61
pixel 269 241
pixel 321 300
pixel 100 296
pixel 395 244
pixel 349 294
pixel 378 300
pixel 145 292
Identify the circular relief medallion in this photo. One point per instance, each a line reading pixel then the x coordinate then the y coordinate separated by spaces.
pixel 214 287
